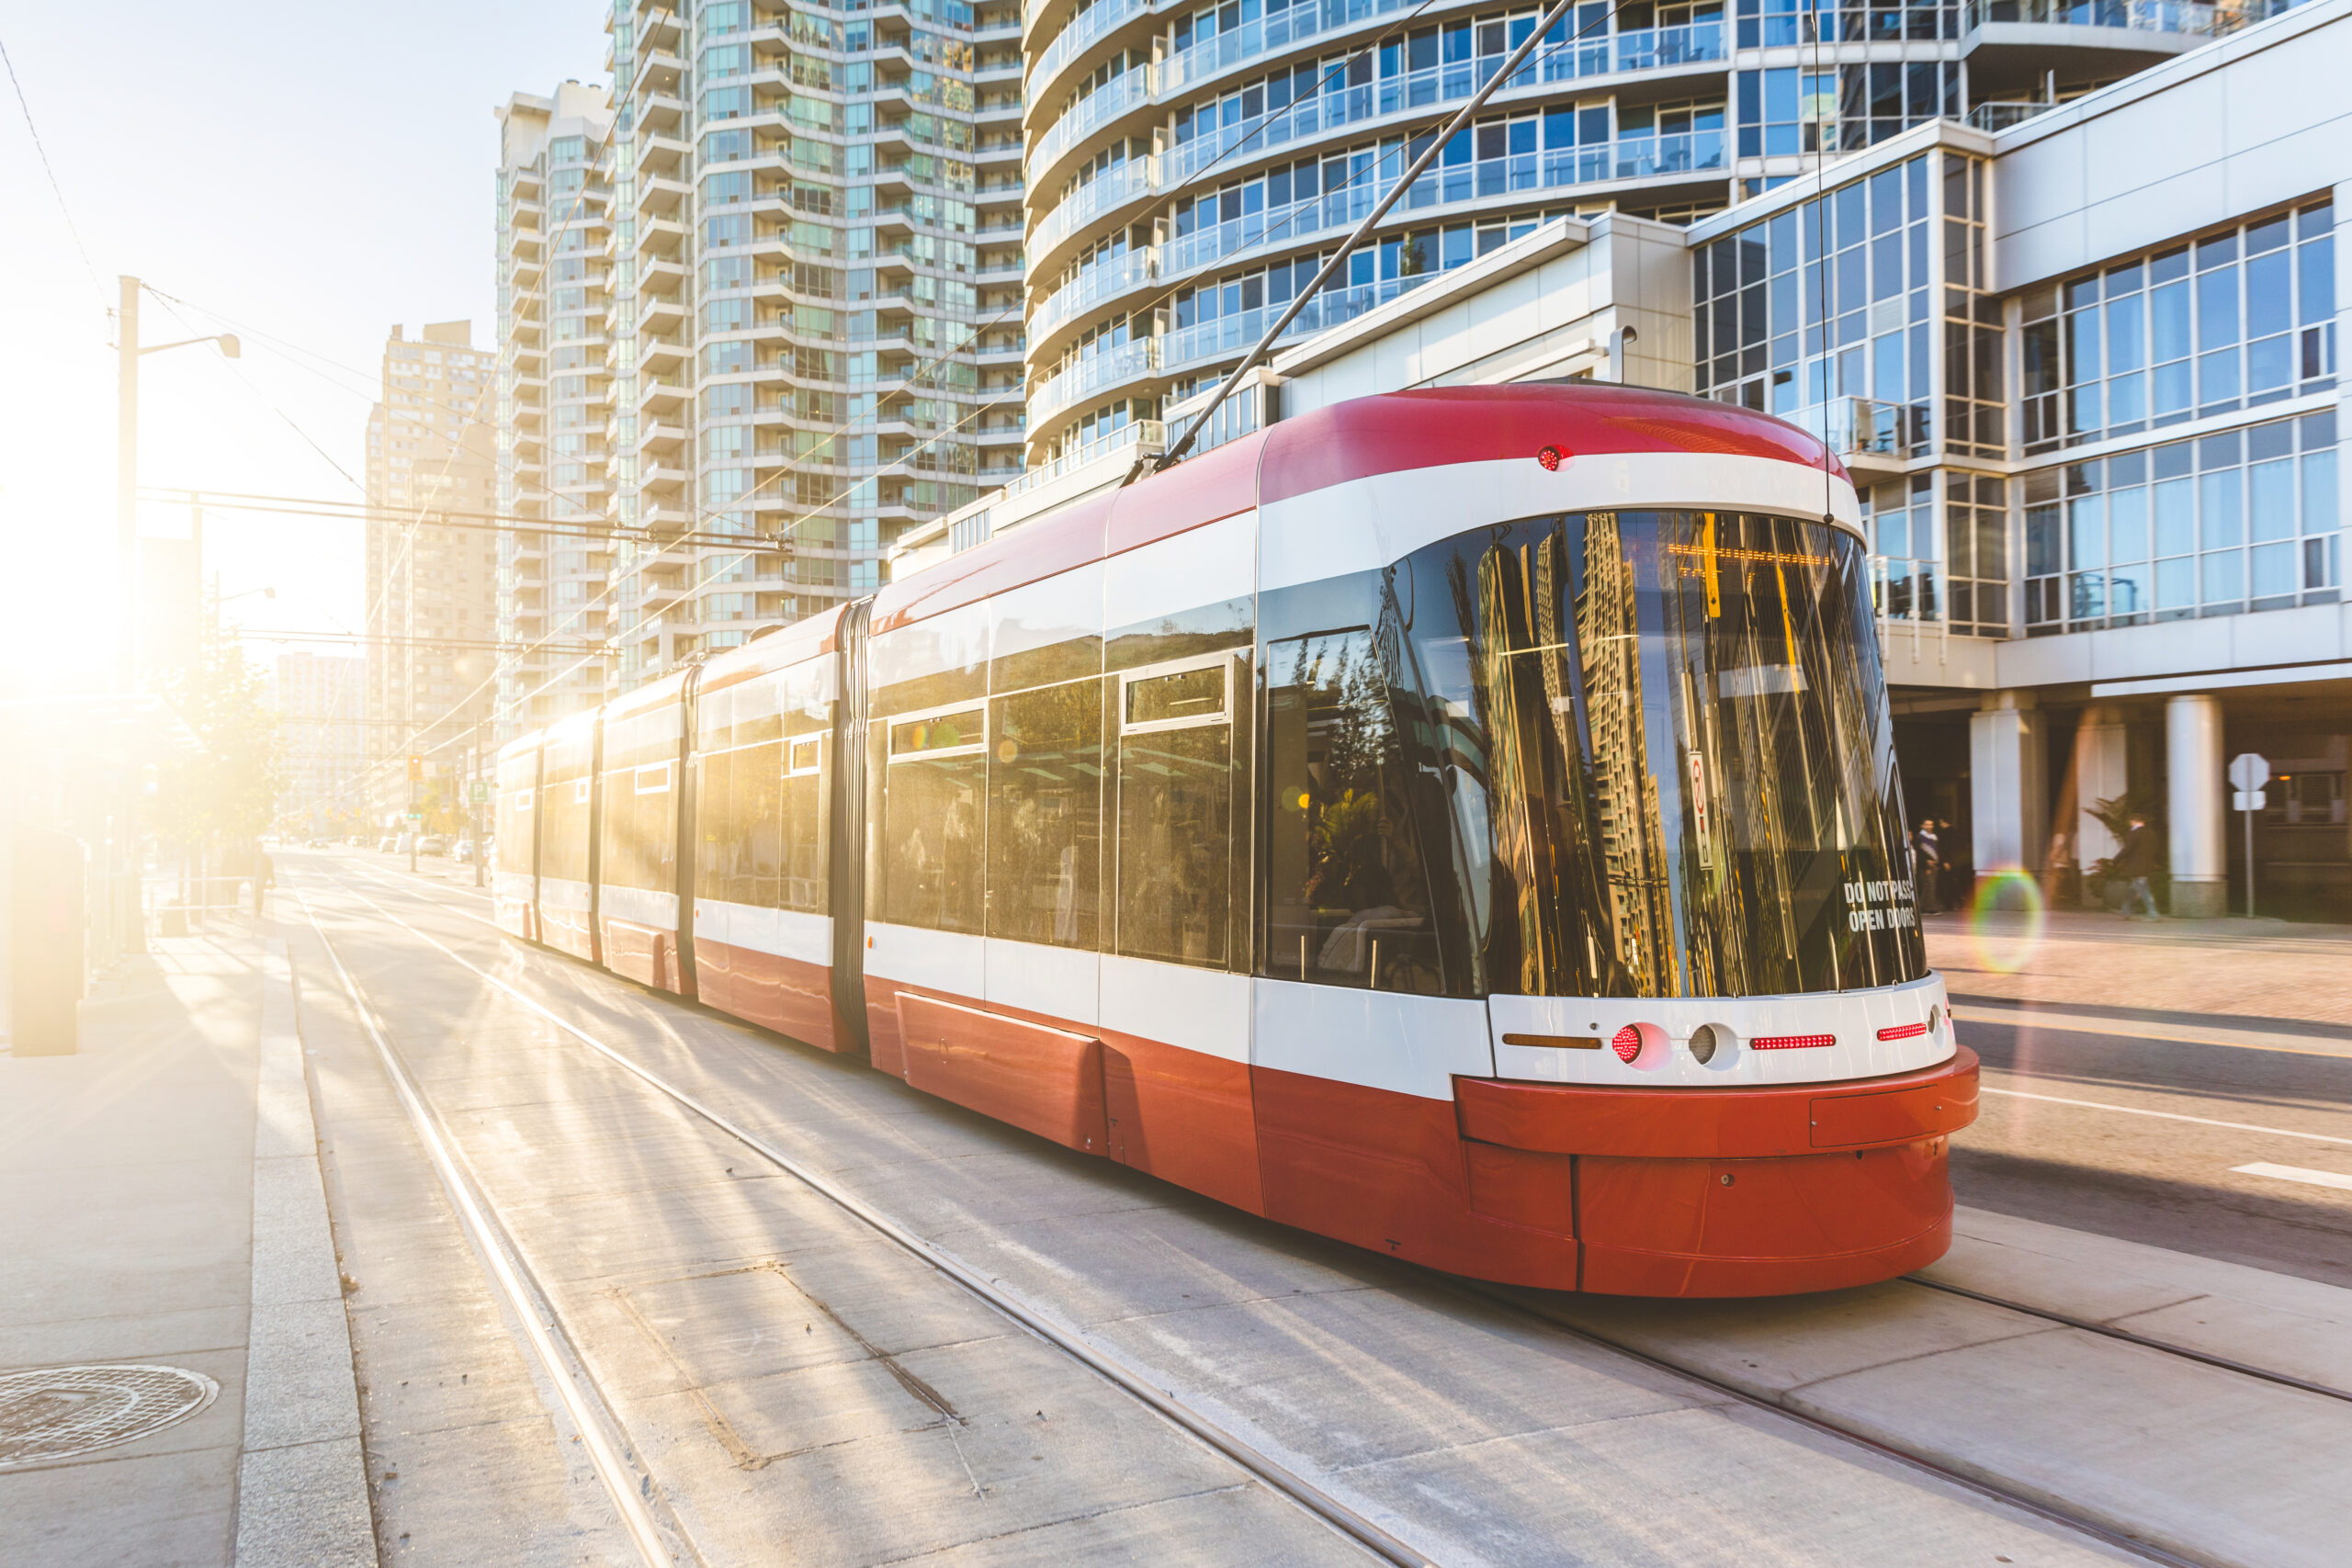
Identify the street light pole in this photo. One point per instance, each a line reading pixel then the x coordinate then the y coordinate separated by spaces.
pixel 126 482
pixel 473 805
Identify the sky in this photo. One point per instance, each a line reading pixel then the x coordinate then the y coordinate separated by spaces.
pixel 311 173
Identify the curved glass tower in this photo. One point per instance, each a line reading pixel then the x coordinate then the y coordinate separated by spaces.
pixel 1190 165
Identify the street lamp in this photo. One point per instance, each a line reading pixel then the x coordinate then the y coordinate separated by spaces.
pixel 126 464
pixel 129 921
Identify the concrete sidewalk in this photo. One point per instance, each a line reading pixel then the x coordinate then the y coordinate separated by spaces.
pixel 161 1209
pixel 2248 974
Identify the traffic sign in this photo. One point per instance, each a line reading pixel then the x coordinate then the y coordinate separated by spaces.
pixel 2249 771
pixel 481 792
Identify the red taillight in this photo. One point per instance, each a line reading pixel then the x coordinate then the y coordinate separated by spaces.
pixel 1550 456
pixel 1791 1042
pixel 1903 1032
pixel 1626 1041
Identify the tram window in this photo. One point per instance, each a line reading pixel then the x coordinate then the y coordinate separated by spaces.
pixel 806 792
pixel 1672 772
pixel 936 662
pixel 641 809
pixel 1175 815
pixel 1045 815
pixel 1048 631
pixel 1347 899
pixel 511 818
pixel 738 809
pixel 563 836
pixel 931 828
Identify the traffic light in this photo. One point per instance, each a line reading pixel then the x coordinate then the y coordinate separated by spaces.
pixel 415 768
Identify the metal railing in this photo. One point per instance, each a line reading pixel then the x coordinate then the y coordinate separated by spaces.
pixel 1998 116
pixel 2134 16
pixel 1864 427
pixel 1141 432
pixel 1082 30
pixel 1092 373
pixel 1102 280
pixel 1137 177
pixel 1908 596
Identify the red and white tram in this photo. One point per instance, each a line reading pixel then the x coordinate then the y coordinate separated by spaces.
pixel 1462 822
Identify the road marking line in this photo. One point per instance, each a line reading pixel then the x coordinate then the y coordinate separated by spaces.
pixel 2166 1115
pixel 2296 1173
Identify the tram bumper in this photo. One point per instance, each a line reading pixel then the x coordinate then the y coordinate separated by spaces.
pixel 1746 1192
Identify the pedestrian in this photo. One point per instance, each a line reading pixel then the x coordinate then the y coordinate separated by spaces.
pixel 1927 863
pixel 2136 862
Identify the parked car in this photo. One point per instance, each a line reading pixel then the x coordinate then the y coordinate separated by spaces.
pixel 433 844
pixel 464 851
pixel 388 845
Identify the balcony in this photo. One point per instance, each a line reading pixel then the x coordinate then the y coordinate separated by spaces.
pixel 1082 209
pixel 2017 46
pixel 1083 32
pixel 1095 285
pixel 1312 118
pixel 1445 186
pixel 1130 91
pixel 1094 374
pixel 1867 435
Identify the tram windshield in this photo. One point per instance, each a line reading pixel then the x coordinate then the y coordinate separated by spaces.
pixel 1667 755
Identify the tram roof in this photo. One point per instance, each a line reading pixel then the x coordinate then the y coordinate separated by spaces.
pixel 1360 438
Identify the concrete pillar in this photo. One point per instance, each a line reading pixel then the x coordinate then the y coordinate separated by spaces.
pixel 2101 772
pixel 2194 805
pixel 2008 793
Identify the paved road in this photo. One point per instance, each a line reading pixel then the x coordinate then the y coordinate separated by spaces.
pixel 2165 1181
pixel 2170 1179
pixel 787 1378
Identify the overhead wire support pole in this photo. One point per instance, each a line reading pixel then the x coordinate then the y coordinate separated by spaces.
pixel 1503 74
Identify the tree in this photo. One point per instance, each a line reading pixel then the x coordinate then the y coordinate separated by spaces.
pixel 227 789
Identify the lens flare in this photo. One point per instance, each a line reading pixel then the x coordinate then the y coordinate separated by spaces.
pixel 2007 951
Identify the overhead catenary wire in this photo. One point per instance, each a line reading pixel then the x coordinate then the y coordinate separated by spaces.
pixel 56 190
pixel 1429 155
pixel 568 529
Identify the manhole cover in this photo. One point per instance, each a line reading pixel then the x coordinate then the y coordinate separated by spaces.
pixel 57 1411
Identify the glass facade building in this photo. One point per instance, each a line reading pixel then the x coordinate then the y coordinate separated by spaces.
pixel 813 337
pixel 1190 167
pixel 554 230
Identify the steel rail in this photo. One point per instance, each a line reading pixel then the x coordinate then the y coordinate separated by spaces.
pixel 1950 1473
pixel 2170 1348
pixel 1113 1367
pixel 659 1542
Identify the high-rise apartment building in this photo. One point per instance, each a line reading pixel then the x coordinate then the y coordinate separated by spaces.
pixel 555 457
pixel 1191 167
pixel 432 668
pixel 814 271
pixel 321 702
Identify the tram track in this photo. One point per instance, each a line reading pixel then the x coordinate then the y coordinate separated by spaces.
pixel 2170 1348
pixel 1950 1473
pixel 1141 1383
pixel 660 1539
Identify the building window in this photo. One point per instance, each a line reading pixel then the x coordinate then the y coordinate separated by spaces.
pixel 1821 313
pixel 2240 520
pixel 2231 322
